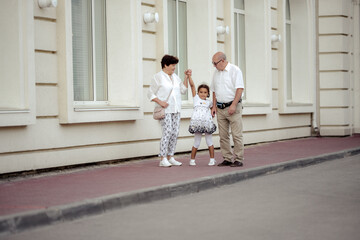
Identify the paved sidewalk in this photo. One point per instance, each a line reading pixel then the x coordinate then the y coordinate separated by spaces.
pixel 48 198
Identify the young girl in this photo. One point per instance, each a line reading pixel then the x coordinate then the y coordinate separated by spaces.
pixel 201 120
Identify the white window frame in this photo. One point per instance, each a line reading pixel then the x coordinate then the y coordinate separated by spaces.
pixel 93 68
pixel 124 66
pixel 22 111
pixel 257 54
pixel 303 58
pixel 240 12
pixel 288 54
pixel 201 15
pixel 178 70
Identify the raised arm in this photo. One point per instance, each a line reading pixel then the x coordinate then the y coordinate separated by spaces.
pixel 192 85
pixel 188 74
pixel 186 80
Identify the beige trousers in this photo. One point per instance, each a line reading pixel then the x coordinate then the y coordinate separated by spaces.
pixel 225 122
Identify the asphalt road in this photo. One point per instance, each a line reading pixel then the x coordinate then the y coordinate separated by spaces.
pixel 316 202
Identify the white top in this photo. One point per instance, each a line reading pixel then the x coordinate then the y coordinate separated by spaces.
pixel 161 85
pixel 201 120
pixel 200 102
pixel 225 83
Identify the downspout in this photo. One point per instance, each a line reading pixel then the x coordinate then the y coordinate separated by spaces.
pixel 315 121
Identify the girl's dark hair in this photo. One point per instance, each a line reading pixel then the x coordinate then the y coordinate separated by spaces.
pixel 206 87
pixel 167 60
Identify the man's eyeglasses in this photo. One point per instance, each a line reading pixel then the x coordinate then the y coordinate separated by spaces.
pixel 216 63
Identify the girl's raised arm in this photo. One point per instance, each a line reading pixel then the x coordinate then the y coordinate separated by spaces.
pixel 192 85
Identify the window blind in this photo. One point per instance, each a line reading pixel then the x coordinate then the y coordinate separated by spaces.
pixel 89 50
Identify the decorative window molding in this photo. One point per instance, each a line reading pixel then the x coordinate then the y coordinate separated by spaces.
pixel 17 64
pixel 124 66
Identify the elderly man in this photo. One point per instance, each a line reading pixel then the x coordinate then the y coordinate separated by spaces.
pixel 227 86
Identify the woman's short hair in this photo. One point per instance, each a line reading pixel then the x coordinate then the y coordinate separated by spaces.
pixel 204 86
pixel 168 60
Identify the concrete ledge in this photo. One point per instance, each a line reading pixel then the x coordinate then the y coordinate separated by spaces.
pixel 32 219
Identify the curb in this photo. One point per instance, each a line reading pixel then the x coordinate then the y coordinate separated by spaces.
pixel 25 221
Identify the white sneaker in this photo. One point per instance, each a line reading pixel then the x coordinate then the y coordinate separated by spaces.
pixel 172 161
pixel 212 162
pixel 164 163
pixel 192 162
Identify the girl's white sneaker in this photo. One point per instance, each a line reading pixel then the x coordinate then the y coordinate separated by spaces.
pixel 172 161
pixel 164 163
pixel 212 162
pixel 192 162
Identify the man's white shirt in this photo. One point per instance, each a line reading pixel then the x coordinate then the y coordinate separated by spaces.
pixel 226 82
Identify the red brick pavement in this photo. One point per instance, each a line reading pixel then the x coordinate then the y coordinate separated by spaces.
pixel 50 190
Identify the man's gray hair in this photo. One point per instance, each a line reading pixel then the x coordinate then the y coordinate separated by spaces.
pixel 223 56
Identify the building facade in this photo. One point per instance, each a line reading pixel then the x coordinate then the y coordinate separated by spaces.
pixel 74 75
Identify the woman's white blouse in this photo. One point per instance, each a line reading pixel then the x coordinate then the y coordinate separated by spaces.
pixel 161 85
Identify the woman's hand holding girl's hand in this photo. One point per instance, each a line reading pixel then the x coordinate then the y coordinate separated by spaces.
pixel 188 72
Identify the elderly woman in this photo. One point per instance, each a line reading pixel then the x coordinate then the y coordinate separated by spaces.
pixel 167 85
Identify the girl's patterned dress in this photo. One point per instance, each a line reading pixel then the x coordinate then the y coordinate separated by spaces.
pixel 201 119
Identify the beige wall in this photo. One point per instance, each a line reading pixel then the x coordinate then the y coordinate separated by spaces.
pixel 59 136
pixel 338 69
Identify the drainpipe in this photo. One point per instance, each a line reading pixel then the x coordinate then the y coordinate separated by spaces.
pixel 315 121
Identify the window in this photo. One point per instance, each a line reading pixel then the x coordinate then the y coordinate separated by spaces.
pixel 17 68
pixel 288 50
pixel 89 50
pixel 99 61
pixel 297 56
pixel 239 29
pixel 177 35
pixel 250 28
